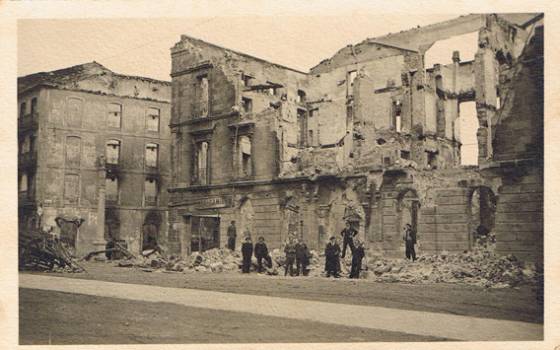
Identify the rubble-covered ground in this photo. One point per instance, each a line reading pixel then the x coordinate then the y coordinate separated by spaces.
pixel 480 267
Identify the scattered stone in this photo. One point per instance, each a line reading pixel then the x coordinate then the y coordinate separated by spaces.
pixel 125 263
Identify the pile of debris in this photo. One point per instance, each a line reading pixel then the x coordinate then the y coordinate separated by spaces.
pixel 46 252
pixel 480 267
pixel 213 260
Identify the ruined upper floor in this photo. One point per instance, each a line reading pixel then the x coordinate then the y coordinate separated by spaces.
pixel 373 105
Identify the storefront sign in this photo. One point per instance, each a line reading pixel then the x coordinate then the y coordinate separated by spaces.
pixel 213 203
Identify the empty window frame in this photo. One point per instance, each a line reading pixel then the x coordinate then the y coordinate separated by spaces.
pixel 302 125
pixel 112 189
pixel 396 122
pixel 350 77
pixel 405 154
pixel 22 109
pixel 246 80
pixel 387 161
pixel 151 155
pixel 113 151
pixel 152 119
pixel 203 96
pixel 114 115
pixel 201 163
pixel 150 191
pixel 245 156
pixel 23 183
pixel 431 160
pixel 301 96
pixel 26 145
pixel 33 106
pixel 271 90
pixel 246 104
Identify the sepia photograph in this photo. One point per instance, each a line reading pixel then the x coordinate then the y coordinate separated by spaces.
pixel 353 178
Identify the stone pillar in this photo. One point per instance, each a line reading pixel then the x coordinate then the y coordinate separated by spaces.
pixel 99 241
pixel 486 96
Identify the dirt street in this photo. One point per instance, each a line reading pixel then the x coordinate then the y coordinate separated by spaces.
pixel 58 318
pixel 509 304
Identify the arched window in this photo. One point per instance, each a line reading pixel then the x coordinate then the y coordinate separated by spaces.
pixel 151 155
pixel 150 192
pixel 112 151
pixel 245 149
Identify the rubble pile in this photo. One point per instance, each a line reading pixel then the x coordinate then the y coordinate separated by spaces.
pixel 478 267
pixel 46 253
pixel 213 260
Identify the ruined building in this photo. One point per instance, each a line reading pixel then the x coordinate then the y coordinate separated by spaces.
pixel 71 117
pixel 371 135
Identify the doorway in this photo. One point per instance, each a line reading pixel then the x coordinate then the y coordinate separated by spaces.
pixel 482 209
pixel 408 205
pixel 150 230
pixel 205 233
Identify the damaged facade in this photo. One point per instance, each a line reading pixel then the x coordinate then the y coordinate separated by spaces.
pixel 371 136
pixel 93 144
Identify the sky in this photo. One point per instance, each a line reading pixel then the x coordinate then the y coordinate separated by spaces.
pixel 142 46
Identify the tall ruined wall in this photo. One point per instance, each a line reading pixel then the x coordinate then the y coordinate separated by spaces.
pixel 518 156
pixel 233 79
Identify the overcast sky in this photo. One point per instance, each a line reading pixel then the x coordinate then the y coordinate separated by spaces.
pixel 141 46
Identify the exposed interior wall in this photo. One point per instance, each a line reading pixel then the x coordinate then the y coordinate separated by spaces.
pixel 442 51
pixel 372 113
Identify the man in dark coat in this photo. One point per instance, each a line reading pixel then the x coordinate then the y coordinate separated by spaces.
pixel 357 260
pixel 247 252
pixel 231 236
pixel 302 258
pixel 410 240
pixel 261 252
pixel 348 235
pixel 290 250
pixel 332 258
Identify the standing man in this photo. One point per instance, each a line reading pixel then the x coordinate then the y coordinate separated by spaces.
pixel 261 252
pixel 410 240
pixel 332 258
pixel 357 257
pixel 290 250
pixel 247 252
pixel 231 236
pixel 348 235
pixel 302 258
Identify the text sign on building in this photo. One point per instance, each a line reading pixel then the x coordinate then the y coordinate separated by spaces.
pixel 213 203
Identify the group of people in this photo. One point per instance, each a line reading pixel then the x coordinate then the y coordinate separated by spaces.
pixel 297 252
pixel 333 253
